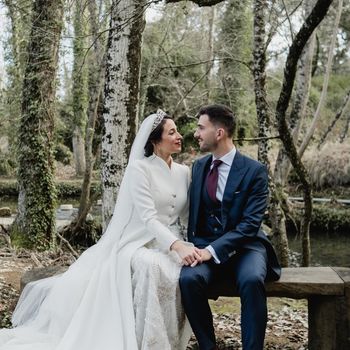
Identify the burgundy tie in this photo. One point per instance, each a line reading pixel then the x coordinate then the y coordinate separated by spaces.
pixel 212 180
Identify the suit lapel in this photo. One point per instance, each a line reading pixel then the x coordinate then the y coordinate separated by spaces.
pixel 234 178
pixel 197 183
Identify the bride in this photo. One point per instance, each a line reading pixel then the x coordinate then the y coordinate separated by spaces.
pixel 122 293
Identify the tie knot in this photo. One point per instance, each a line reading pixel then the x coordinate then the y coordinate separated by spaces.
pixel 216 163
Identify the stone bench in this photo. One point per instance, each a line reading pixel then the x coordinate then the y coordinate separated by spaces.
pixel 327 290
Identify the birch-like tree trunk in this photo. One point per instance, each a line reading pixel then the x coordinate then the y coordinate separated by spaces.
pixel 121 95
pixel 79 88
pixel 35 222
pixel 259 75
pixel 277 218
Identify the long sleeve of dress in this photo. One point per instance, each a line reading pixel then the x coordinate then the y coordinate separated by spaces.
pixel 144 204
pixel 184 214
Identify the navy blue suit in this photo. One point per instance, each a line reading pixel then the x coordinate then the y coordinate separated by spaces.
pixel 245 253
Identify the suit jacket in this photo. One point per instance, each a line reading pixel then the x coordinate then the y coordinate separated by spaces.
pixel 243 207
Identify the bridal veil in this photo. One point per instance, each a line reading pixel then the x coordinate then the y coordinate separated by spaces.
pixel 93 297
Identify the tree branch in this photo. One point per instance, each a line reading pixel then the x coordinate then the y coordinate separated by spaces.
pixel 200 3
pixel 312 21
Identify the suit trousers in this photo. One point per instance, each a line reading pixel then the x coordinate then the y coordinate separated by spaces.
pixel 247 269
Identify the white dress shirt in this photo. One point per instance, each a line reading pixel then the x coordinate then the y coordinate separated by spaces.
pixel 223 170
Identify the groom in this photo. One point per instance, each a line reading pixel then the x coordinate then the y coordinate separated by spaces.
pixel 227 203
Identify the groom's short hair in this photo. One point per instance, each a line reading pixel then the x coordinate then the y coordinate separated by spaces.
pixel 220 115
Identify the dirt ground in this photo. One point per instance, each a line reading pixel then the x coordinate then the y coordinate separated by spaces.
pixel 286 329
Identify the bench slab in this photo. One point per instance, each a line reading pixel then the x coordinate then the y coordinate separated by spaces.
pixel 296 283
pixel 327 290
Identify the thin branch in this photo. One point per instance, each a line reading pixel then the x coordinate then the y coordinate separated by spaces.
pixel 74 252
pixel 247 64
pixel 274 29
pixel 200 3
pixel 289 21
pixel 253 139
pixel 190 90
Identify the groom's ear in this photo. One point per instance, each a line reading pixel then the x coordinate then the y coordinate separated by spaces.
pixel 220 133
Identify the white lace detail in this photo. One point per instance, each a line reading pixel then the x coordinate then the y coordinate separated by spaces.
pixel 160 321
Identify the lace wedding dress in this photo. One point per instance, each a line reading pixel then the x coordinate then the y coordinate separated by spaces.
pixel 122 293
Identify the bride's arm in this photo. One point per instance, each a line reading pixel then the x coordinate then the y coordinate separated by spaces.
pixel 144 204
pixel 185 211
pixel 145 207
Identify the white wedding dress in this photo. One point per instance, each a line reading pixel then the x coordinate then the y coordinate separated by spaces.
pixel 122 293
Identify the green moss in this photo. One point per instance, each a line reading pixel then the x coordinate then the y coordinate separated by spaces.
pixel 328 218
pixel 19 239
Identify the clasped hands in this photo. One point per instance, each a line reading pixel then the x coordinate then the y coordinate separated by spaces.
pixel 189 254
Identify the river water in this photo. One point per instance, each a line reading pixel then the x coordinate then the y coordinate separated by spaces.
pixel 326 249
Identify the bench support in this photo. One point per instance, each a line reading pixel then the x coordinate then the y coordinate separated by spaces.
pixel 322 322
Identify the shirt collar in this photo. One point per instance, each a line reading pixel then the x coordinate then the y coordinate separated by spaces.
pixel 228 157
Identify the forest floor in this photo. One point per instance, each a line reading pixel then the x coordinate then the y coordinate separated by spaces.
pixel 286 328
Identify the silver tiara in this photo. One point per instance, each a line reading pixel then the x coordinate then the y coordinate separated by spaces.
pixel 160 116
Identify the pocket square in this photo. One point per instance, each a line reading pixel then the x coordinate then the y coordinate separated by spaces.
pixel 237 192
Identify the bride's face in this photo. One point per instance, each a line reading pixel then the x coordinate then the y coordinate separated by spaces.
pixel 171 139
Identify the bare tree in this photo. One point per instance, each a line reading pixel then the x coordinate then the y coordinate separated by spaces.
pixel 317 14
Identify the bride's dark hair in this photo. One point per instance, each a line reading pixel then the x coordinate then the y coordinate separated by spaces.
pixel 155 137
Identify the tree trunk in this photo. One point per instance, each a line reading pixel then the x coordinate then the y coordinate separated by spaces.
pixel 235 40
pixel 96 81
pixel 78 151
pixel 262 109
pixel 303 84
pixel 121 95
pixel 259 74
pixel 20 16
pixel 210 50
pixel 79 88
pixel 317 14
pixel 311 130
pixel 36 216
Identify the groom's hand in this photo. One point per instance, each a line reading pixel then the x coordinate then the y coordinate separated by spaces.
pixel 205 254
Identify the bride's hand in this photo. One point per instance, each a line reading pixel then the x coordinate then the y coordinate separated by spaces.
pixel 189 254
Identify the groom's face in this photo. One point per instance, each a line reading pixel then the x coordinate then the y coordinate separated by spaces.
pixel 206 134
